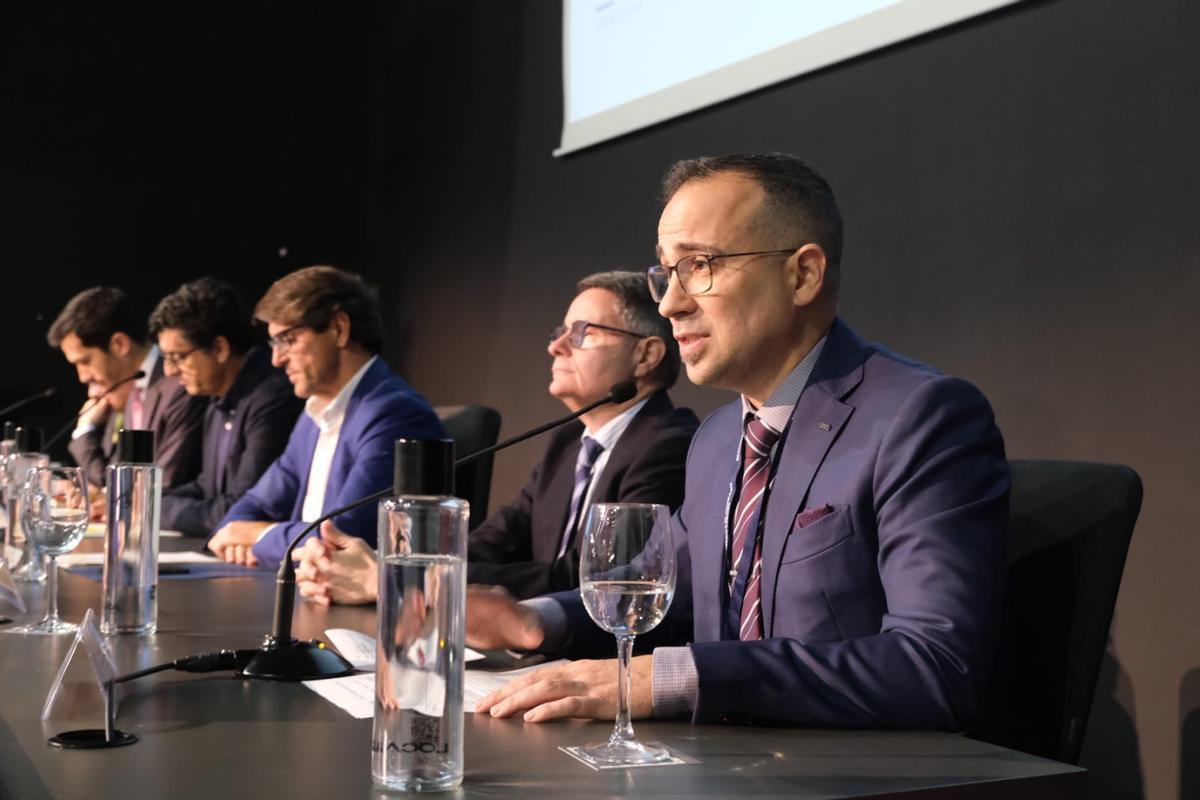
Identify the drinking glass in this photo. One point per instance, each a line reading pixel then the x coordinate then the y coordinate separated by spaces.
pixel 54 515
pixel 627 580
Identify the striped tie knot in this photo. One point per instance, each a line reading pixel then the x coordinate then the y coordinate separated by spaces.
pixel 758 437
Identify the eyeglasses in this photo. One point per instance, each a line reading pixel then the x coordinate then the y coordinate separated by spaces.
pixel 576 333
pixel 175 359
pixel 283 341
pixel 694 271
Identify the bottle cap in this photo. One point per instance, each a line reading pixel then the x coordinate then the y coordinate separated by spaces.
pixel 29 440
pixel 135 446
pixel 424 467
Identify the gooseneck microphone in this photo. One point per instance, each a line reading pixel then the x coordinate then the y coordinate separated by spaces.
pixel 95 401
pixel 24 401
pixel 282 657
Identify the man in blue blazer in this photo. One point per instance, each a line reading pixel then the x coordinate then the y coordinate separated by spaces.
pixel 325 333
pixel 841 541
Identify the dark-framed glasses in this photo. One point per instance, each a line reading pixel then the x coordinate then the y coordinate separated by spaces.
pixel 576 332
pixel 283 341
pixel 175 359
pixel 695 272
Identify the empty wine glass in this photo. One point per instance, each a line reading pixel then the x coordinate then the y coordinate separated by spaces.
pixel 627 580
pixel 54 515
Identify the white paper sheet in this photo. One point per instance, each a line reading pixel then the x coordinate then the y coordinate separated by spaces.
pixel 356 694
pixel 359 649
pixel 96 559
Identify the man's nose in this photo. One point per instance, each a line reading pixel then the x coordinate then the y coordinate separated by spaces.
pixel 675 302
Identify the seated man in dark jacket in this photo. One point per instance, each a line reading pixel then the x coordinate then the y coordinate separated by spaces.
pixel 633 452
pixel 205 337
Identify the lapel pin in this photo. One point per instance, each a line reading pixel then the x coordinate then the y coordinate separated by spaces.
pixel 825 426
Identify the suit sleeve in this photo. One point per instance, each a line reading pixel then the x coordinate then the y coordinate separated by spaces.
pixel 400 418
pixel 941 497
pixel 177 450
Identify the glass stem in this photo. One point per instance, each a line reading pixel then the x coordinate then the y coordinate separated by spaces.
pixel 623 731
pixel 52 591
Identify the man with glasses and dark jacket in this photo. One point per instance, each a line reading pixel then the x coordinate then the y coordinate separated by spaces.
pixel 633 453
pixel 207 342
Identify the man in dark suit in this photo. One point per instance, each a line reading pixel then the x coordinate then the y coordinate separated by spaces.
pixel 102 334
pixel 841 542
pixel 325 333
pixel 207 342
pixel 633 452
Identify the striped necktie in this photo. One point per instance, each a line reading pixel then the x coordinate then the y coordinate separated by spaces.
pixel 756 471
pixel 583 476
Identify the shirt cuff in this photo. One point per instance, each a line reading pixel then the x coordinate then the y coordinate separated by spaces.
pixel 265 531
pixel 556 635
pixel 675 685
pixel 82 430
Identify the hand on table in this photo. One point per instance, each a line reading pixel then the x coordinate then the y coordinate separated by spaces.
pixel 497 621
pixel 578 689
pixel 233 542
pixel 336 568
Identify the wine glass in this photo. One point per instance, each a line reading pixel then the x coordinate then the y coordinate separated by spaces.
pixel 627 580
pixel 54 515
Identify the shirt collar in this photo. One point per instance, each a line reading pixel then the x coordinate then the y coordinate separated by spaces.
pixel 330 418
pixel 777 409
pixel 147 366
pixel 611 431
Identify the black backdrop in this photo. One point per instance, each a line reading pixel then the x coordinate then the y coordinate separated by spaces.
pixel 1018 189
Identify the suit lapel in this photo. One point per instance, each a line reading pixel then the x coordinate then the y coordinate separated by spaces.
pixel 707 519
pixel 558 496
pixel 349 434
pixel 153 397
pixel 628 446
pixel 815 424
pixel 819 417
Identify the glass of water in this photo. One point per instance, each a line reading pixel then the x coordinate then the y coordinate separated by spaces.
pixel 54 515
pixel 627 579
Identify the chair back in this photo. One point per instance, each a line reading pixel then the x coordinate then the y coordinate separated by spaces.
pixel 1069 532
pixel 472 428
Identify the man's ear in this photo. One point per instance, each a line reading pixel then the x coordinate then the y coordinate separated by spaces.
pixel 222 351
pixel 807 268
pixel 119 344
pixel 648 354
pixel 340 323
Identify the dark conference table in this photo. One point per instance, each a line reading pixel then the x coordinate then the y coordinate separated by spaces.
pixel 217 736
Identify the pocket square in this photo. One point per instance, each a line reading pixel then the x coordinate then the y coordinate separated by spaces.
pixel 810 515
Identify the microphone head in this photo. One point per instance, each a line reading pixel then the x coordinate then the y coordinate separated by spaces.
pixel 622 392
pixel 137 376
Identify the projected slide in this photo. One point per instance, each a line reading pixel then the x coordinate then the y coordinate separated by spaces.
pixel 631 63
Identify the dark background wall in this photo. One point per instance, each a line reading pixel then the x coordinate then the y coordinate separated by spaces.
pixel 1019 196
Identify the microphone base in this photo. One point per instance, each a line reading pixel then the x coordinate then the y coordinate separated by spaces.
pixel 294 660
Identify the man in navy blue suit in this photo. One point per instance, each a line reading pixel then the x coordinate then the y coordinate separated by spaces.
pixel 325 333
pixel 841 540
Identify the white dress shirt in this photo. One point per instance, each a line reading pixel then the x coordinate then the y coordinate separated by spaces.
pixel 329 422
